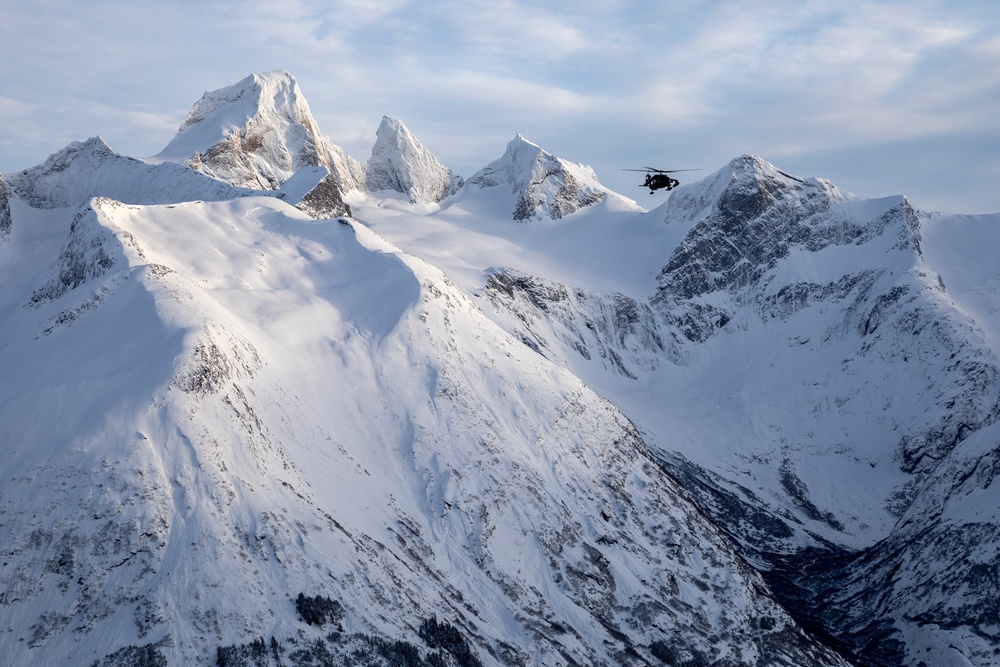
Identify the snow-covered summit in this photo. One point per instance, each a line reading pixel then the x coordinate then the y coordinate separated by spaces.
pixel 743 221
pixel 399 162
pixel 746 186
pixel 86 169
pixel 544 185
pixel 257 133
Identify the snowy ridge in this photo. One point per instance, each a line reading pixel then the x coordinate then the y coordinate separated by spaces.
pixel 401 163
pixel 256 134
pixel 83 170
pixel 544 185
pixel 229 469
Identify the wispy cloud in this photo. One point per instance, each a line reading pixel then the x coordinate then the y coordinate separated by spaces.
pixel 610 79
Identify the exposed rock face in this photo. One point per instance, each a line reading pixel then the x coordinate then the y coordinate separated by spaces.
pixel 544 185
pixel 256 134
pixel 324 200
pixel 755 216
pixel 6 221
pixel 90 251
pixel 622 333
pixel 401 163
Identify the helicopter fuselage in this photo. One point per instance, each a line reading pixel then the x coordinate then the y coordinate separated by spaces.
pixel 660 181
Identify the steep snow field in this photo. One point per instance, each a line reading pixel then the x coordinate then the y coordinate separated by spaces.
pixel 291 405
pixel 734 405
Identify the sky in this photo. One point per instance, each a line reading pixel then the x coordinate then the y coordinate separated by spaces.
pixel 883 98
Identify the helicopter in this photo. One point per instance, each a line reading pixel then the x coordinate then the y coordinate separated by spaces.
pixel 657 178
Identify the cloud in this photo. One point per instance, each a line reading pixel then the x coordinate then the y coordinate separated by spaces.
pixel 786 78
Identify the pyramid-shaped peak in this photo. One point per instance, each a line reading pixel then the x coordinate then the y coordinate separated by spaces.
pixel 744 188
pixel 94 146
pixel 400 163
pixel 520 146
pixel 757 167
pixel 392 133
pixel 259 97
pixel 75 158
pixel 545 185
pixel 256 133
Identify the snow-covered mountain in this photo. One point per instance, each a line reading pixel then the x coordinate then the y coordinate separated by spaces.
pixel 543 185
pixel 91 168
pixel 818 370
pixel 401 163
pixel 753 426
pixel 294 407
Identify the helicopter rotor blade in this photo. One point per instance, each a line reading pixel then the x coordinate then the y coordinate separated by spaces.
pixel 650 170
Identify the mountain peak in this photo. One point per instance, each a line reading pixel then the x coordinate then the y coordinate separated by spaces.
pixel 545 186
pixel 743 189
pixel 257 133
pixel 401 163
pixel 86 169
pixel 275 92
pixel 747 218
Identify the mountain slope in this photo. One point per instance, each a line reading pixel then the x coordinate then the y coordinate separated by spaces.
pixel 6 222
pixel 815 368
pixel 297 407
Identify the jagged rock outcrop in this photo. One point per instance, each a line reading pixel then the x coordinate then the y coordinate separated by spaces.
pixel 622 333
pixel 544 186
pixel 744 220
pixel 256 134
pixel 402 164
pixel 6 221
pixel 91 250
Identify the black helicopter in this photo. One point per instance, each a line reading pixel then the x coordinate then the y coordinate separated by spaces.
pixel 657 178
